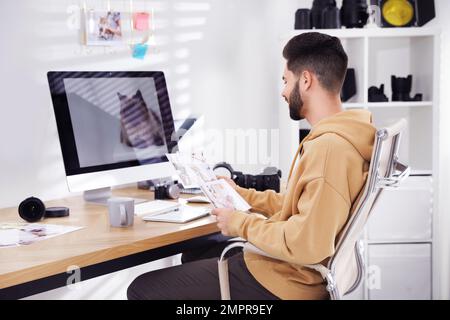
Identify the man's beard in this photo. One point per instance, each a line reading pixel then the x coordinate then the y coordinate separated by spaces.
pixel 295 104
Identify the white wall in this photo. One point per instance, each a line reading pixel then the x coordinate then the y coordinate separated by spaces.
pixel 226 72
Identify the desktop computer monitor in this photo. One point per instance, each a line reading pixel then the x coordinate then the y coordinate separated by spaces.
pixel 114 128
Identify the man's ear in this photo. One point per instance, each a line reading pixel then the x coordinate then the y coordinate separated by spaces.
pixel 306 80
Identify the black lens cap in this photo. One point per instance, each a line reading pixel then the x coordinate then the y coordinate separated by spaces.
pixel 56 212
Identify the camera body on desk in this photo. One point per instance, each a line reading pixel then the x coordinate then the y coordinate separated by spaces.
pixel 169 190
pixel 268 179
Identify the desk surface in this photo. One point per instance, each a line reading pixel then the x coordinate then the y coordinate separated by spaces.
pixel 97 242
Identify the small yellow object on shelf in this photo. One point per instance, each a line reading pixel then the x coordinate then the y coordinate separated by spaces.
pixel 398 13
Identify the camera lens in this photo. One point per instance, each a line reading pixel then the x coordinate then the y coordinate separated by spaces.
pixel 316 11
pixel 31 209
pixel 303 19
pixel 173 191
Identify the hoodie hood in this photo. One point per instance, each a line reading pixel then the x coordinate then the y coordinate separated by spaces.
pixel 355 126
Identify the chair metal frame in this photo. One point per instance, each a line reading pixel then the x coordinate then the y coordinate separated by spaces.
pixel 385 172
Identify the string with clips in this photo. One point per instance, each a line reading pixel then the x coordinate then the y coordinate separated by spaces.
pixel 140 49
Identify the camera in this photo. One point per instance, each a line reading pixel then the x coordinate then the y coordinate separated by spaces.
pixel 401 89
pixel 377 94
pixel 354 13
pixel 269 179
pixel 169 190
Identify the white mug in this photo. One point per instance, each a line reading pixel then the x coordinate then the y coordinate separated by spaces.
pixel 121 211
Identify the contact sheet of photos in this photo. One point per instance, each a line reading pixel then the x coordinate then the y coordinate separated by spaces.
pixel 194 171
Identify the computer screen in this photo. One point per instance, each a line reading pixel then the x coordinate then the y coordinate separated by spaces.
pixel 111 121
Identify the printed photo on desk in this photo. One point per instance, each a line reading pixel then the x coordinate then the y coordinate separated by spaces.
pixel 17 234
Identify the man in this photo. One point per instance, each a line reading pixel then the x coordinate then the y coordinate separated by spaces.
pixel 302 224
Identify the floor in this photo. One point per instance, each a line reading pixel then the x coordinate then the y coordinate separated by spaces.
pixel 112 286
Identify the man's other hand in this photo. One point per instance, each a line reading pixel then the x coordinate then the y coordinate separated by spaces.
pixel 223 219
pixel 229 180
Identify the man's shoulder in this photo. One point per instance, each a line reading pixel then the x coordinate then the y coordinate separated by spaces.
pixel 332 145
pixel 330 140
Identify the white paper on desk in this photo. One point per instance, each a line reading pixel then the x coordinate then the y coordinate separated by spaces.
pixel 222 195
pixel 191 170
pixel 12 235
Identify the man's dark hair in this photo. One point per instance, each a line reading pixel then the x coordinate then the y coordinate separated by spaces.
pixel 319 53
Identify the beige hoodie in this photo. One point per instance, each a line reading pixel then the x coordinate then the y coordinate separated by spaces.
pixel 304 222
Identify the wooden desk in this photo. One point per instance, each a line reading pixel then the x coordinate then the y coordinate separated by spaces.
pixel 97 249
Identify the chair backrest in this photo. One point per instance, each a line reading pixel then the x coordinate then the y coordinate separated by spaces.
pixel 346 265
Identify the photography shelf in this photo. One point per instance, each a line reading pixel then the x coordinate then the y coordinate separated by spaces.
pixel 371 32
pixel 376 54
pixel 399 104
pixel 399 239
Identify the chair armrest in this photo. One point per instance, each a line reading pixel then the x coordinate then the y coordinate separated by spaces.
pixel 395 181
pixel 249 247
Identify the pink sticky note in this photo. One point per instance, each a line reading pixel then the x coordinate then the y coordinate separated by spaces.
pixel 141 20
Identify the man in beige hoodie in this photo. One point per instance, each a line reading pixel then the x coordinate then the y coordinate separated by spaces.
pixel 303 223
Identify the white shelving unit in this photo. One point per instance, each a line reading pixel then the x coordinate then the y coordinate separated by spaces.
pixel 399 239
pixel 370 105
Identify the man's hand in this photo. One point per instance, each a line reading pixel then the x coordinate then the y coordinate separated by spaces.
pixel 229 180
pixel 223 216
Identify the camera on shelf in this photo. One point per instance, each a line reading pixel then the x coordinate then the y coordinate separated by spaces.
pixel 268 179
pixel 354 13
pixel 401 89
pixel 405 13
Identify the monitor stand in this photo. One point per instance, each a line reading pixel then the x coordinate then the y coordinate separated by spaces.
pixel 101 196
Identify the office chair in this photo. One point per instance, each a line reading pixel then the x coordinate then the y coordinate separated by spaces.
pixel 345 269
